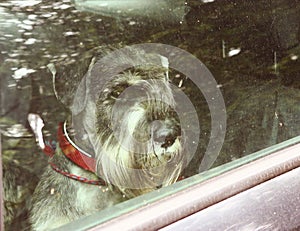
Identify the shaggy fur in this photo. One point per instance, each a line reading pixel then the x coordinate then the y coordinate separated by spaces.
pixel 130 125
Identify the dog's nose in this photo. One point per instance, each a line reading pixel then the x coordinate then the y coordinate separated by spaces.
pixel 164 136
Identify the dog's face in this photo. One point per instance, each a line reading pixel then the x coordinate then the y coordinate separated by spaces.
pixel 135 130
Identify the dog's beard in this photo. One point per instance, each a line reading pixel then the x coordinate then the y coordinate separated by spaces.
pixel 131 159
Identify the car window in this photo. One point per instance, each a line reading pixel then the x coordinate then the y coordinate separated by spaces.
pixel 226 74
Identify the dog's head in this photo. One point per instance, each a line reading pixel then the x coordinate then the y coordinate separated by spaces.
pixel 124 110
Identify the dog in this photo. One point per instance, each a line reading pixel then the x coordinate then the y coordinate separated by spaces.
pixel 121 140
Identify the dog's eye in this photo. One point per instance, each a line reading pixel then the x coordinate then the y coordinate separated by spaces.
pixel 117 90
pixel 115 94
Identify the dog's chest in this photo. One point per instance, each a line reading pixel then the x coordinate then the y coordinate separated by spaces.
pixel 92 198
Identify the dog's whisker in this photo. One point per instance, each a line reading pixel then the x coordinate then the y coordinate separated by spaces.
pixel 155 152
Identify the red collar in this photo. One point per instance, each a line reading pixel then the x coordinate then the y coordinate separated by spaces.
pixel 73 152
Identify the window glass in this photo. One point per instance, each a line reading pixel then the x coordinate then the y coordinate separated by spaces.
pixel 244 54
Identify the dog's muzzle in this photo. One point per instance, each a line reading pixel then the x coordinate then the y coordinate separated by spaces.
pixel 163 135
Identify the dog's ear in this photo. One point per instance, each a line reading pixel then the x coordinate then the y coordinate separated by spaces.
pixel 79 102
pixel 68 76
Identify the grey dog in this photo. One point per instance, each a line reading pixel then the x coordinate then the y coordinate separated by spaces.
pixel 125 122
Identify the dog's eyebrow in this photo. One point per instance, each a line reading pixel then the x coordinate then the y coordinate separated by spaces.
pixel 117 90
pixel 120 87
pixel 145 70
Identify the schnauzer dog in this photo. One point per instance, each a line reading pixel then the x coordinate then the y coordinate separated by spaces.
pixel 123 139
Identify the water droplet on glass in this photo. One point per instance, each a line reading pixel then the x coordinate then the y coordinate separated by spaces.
pixel 22 72
pixel 30 41
pixel 234 51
